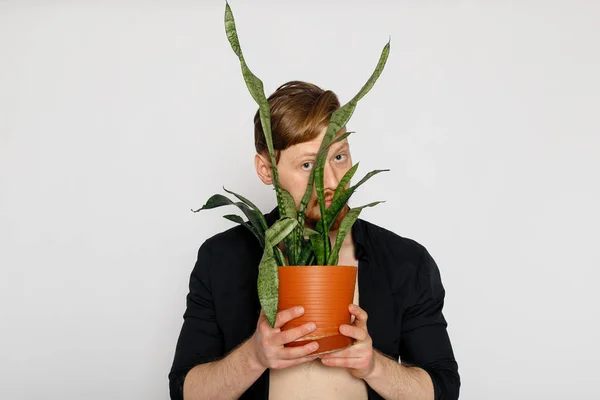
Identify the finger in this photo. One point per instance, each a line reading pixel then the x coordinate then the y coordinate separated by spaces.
pixel 354 332
pixel 353 362
pixel 362 349
pixel 285 316
pixel 262 324
pixel 290 335
pixel 292 353
pixel 352 351
pixel 360 315
pixel 291 363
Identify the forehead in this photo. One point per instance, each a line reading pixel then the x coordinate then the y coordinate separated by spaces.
pixel 312 147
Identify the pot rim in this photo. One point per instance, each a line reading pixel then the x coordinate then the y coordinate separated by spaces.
pixel 317 266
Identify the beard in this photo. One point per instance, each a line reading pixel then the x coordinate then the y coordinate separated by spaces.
pixel 313 214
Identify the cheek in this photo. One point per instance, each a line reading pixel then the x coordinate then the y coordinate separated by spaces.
pixel 342 169
pixel 296 185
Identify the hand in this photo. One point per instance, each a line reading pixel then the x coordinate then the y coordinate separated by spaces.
pixel 358 358
pixel 268 343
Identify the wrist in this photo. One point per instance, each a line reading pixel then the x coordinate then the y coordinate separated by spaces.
pixel 251 355
pixel 378 366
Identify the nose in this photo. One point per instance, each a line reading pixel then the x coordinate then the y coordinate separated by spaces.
pixel 330 180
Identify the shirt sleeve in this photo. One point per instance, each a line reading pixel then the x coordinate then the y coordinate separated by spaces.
pixel 200 340
pixel 424 341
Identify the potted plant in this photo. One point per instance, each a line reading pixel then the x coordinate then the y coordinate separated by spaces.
pixel 288 273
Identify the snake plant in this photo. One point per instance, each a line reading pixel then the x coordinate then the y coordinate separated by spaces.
pixel 302 246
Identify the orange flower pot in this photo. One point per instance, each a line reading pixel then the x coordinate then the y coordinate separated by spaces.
pixel 325 292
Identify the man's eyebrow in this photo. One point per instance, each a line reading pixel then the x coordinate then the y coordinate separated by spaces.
pixel 306 154
pixel 344 144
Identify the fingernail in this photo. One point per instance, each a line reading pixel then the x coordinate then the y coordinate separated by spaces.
pixel 312 326
pixel 299 310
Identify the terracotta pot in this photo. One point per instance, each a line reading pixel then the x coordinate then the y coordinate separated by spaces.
pixel 325 292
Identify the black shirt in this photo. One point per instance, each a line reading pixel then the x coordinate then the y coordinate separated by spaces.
pixel 399 287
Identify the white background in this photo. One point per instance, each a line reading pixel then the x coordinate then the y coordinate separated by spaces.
pixel 116 118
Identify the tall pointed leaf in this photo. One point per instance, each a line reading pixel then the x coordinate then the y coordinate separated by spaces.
pixel 338 203
pixel 306 198
pixel 345 227
pixel 308 193
pixel 281 261
pixel 318 247
pixel 311 179
pixel 268 277
pixel 307 232
pixel 291 244
pixel 288 204
pixel 339 118
pixel 307 258
pixel 260 220
pixel 256 89
pixel 268 284
pixel 280 230
pixel 254 216
pixel 235 218
pixel 345 180
pixel 338 139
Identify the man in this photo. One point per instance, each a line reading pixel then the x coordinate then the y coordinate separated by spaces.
pixel 226 347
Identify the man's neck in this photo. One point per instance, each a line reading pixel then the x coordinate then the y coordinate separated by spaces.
pixel 347 243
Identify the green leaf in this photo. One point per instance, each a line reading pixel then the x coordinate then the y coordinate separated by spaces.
pixel 344 181
pixel 268 277
pixel 311 259
pixel 280 257
pixel 268 285
pixel 306 254
pixel 309 188
pixel 337 205
pixel 291 243
pixel 234 218
pixel 306 198
pixel 239 220
pixel 318 247
pixel 289 205
pixel 338 139
pixel 342 137
pixel 327 243
pixel 255 85
pixel 345 227
pixel 259 220
pixel 279 230
pixel 256 89
pixel 339 118
pixel 254 216
pixel 310 183
pixel 309 232
pixel 214 201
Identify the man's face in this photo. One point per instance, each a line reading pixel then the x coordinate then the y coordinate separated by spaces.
pixel 295 164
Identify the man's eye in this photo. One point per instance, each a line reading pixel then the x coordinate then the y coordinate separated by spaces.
pixel 307 166
pixel 340 157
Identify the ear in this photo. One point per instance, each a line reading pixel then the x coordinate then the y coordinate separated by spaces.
pixel 263 169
